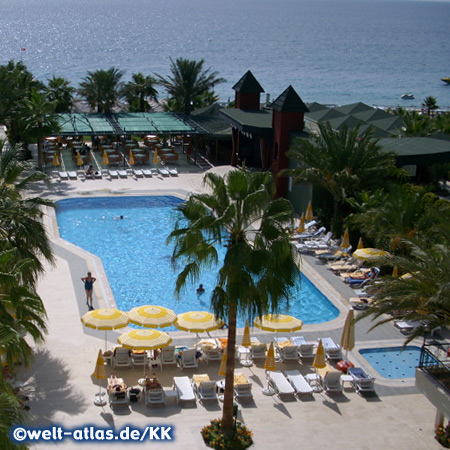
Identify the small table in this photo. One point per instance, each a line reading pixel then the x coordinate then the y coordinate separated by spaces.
pixel 244 356
pixel 314 381
pixel 171 397
pixel 346 379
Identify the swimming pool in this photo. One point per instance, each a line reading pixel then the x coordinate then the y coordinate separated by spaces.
pixel 392 362
pixel 137 260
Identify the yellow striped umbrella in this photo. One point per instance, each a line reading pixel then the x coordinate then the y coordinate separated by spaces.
pixel 301 225
pixel 105 319
pixel 348 333
pixel 105 159
pixel 156 159
pixel 370 253
pixel 55 159
pixel 346 239
pixel 131 159
pixel 223 364
pixel 309 212
pixel 319 360
pixel 79 159
pixel 144 339
pixel 270 363
pixel 198 322
pixel 278 322
pixel 99 374
pixel 152 316
pixel 360 244
pixel 246 341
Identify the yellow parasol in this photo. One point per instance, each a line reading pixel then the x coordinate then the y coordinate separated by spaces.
pixel 360 244
pixel 156 158
pixel 100 374
pixel 270 363
pixel 348 333
pixel 223 364
pixel 152 316
pixel 105 319
pixel 369 254
pixel 131 159
pixel 105 159
pixel 309 212
pixel 55 159
pixel 79 159
pixel 319 360
pixel 301 225
pixel 198 322
pixel 346 239
pixel 278 322
pixel 246 341
pixel 144 339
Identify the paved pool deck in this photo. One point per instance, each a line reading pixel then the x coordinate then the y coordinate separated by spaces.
pixel 62 390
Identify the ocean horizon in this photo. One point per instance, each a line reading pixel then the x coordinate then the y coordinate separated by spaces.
pixel 330 51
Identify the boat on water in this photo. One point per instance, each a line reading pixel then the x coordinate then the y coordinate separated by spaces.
pixel 407 96
pixel 446 80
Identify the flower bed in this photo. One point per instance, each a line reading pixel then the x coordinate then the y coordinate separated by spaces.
pixel 241 439
pixel 443 435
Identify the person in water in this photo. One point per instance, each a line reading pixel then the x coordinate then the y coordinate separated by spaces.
pixel 88 287
pixel 200 290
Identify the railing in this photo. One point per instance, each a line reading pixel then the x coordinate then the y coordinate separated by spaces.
pixel 435 360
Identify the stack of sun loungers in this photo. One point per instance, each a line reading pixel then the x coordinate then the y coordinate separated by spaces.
pixel 332 350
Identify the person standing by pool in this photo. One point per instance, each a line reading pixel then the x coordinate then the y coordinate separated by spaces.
pixel 88 286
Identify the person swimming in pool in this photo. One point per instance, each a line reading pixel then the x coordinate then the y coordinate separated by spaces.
pixel 88 287
pixel 200 290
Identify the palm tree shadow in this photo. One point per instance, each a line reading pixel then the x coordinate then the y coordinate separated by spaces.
pixel 52 394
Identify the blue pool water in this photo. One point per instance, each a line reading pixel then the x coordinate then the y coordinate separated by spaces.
pixel 392 362
pixel 137 260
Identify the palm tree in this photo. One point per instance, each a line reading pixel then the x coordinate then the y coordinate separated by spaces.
pixel 422 294
pixel 188 83
pixel 138 91
pixel 39 120
pixel 342 163
pixel 60 93
pixel 389 216
pixel 430 103
pixel 102 89
pixel 21 227
pixel 259 267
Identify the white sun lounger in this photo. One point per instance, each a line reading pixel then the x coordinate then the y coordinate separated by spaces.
pixel 184 389
pixel 147 173
pixel 173 171
pixel 280 383
pixel 63 175
pixel 332 381
pixel 138 173
pixel 298 382
pixel 72 175
pixel 113 174
pixel 204 387
pixel 362 381
pixel 122 173
pixel 163 172
pixel 332 350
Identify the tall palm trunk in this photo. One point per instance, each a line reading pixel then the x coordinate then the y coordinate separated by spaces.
pixel 228 400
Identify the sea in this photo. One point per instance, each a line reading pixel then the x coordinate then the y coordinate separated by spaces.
pixel 331 51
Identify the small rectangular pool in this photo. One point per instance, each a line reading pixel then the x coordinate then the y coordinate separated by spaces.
pixel 392 362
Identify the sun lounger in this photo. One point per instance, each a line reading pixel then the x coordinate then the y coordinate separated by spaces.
pixel 121 357
pixel 155 396
pixel 72 175
pixel 97 175
pixel 332 350
pixel 138 173
pixel 258 350
pixel 188 359
pixel 117 391
pixel 63 175
pixel 212 354
pixel 147 173
pixel 360 303
pixel 113 174
pixel 302 236
pixel 406 326
pixel 184 390
pixel 280 383
pixel 204 387
pixel 298 382
pixel 139 359
pixel 362 381
pixel 305 348
pixel 167 356
pixel 332 381
pixel 242 388
pixel 122 173
pixel 163 172
pixel 173 171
